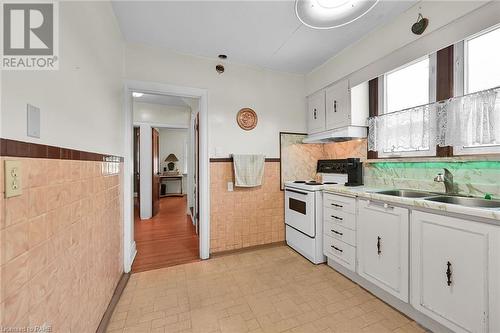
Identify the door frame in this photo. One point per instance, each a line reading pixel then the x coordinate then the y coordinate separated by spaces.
pixel 129 247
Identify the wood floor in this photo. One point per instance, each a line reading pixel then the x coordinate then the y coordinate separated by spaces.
pixel 167 239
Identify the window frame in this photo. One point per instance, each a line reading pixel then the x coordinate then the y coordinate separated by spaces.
pixel 382 105
pixel 460 88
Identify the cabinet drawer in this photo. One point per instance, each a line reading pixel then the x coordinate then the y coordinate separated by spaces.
pixel 339 232
pixel 340 252
pixel 340 203
pixel 339 217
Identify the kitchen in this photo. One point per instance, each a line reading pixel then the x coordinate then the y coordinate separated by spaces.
pixel 376 204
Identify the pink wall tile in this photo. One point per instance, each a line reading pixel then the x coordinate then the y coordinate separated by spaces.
pixel 61 241
pixel 247 216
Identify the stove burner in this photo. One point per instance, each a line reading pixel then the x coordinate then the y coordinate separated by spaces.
pixel 300 182
pixel 329 183
pixel 313 183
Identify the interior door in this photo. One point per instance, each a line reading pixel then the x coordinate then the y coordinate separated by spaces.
pixel 197 171
pixel 137 158
pixel 156 171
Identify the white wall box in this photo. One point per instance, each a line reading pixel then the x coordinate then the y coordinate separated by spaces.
pixel 316 112
pixel 455 272
pixel 382 234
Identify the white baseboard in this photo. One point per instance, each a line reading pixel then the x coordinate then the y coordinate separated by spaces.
pixel 132 254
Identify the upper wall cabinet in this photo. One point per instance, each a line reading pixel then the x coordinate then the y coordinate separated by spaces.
pixel 316 113
pixel 338 105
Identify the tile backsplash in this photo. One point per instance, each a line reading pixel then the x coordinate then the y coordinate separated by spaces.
pixel 247 216
pixel 61 244
pixel 475 178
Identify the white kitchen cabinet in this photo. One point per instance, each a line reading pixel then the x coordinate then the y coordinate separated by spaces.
pixel 316 112
pixel 339 228
pixel 338 111
pixel 456 272
pixel 382 244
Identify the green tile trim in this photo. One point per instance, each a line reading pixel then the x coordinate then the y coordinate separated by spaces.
pixel 436 165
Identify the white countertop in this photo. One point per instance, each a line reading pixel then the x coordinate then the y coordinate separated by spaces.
pixel 366 193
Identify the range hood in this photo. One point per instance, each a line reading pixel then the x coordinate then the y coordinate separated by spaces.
pixel 341 134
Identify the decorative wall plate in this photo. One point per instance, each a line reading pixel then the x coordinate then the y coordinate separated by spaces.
pixel 247 119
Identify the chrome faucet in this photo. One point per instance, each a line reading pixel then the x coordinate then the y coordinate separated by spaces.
pixel 447 179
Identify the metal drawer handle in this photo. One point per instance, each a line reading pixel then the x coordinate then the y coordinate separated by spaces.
pixel 379 251
pixel 338 233
pixel 335 205
pixel 448 273
pixel 336 248
pixel 336 217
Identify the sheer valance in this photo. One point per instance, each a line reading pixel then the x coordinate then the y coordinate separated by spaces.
pixel 470 120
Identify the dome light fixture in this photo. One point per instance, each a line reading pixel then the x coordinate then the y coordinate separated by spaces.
pixel 329 14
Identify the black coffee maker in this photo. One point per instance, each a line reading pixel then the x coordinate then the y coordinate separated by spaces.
pixel 354 172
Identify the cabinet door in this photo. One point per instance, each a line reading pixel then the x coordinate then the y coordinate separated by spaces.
pixel 338 103
pixel 383 247
pixel 455 272
pixel 316 113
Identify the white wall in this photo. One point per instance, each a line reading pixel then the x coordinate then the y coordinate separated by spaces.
pixel 174 141
pixel 278 98
pixel 394 45
pixel 146 172
pixel 161 114
pixel 81 103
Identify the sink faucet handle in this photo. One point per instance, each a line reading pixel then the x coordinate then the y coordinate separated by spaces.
pixel 439 178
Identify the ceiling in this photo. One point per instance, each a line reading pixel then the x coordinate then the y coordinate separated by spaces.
pixel 261 33
pixel 163 100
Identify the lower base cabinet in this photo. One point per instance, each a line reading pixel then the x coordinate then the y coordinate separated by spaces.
pixel 455 272
pixel 383 246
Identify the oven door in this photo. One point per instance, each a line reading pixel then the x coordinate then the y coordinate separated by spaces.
pixel 300 211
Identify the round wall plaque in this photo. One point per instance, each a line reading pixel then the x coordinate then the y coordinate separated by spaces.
pixel 247 119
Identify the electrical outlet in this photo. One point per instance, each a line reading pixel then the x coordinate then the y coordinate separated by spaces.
pixel 230 186
pixel 13 179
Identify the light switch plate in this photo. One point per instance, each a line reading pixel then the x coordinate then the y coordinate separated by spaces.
pixel 33 121
pixel 13 179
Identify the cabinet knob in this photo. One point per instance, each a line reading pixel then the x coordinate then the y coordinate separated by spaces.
pixel 379 251
pixel 315 114
pixel 334 106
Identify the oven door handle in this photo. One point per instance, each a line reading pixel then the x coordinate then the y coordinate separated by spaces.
pixel 294 191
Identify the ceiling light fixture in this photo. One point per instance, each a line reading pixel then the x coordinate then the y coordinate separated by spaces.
pixel 329 14
pixel 137 94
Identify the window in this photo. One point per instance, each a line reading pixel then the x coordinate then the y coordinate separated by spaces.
pixel 408 86
pixel 407 133
pixel 477 68
pixel 482 63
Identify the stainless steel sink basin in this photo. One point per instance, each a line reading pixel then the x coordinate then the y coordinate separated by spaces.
pixel 464 201
pixel 406 193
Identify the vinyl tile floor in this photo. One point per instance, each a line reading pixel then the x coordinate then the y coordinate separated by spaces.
pixel 267 290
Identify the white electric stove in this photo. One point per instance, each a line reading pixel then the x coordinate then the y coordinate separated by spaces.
pixel 304 209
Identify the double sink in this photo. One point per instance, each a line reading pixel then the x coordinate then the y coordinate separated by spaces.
pixel 448 199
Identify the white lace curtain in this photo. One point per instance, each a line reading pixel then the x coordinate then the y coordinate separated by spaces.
pixel 407 130
pixel 471 120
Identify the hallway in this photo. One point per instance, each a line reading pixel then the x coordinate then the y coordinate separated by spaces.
pixel 167 239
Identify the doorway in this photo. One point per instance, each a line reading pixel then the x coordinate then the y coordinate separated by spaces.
pixel 166 180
